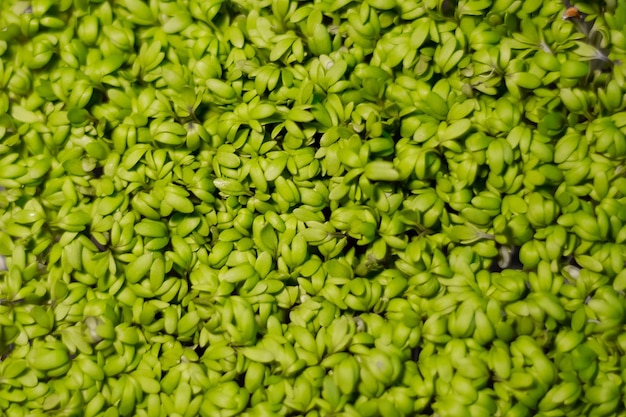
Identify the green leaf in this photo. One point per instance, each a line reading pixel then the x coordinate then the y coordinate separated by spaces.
pixel 77 116
pixel 110 64
pixel 281 48
pixel 455 130
pixel 525 80
pixel 574 69
pixel 23 115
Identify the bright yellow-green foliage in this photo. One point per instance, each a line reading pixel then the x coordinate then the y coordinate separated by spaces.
pixel 312 208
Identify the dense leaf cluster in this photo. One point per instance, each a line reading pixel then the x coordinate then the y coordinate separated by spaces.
pixel 332 207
